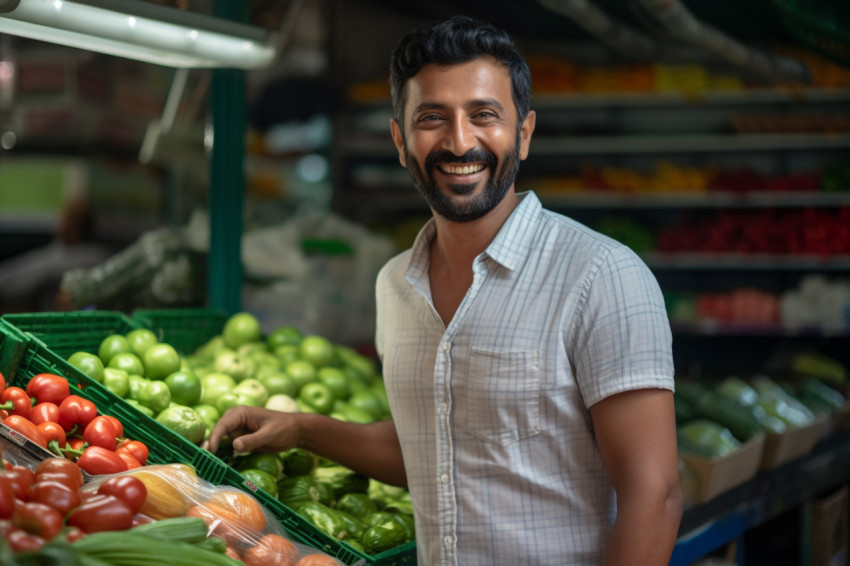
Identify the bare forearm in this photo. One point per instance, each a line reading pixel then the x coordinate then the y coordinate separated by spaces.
pixel 645 529
pixel 369 449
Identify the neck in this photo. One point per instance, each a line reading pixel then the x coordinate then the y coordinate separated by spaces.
pixel 458 243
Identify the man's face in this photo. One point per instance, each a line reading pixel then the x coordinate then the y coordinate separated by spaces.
pixel 461 143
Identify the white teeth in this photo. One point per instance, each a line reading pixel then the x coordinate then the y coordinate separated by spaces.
pixel 462 170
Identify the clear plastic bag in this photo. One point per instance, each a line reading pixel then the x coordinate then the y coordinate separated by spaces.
pixel 251 532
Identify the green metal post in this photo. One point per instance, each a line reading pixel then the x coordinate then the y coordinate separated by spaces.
pixel 227 177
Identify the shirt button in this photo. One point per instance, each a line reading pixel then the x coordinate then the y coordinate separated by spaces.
pixel 447 346
pixel 448 541
pixel 443 407
pixel 444 478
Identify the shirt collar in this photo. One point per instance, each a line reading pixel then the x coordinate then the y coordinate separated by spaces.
pixel 508 248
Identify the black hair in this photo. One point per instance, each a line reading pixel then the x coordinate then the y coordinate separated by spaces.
pixel 457 40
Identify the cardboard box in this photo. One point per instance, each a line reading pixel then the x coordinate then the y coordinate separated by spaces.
pixel 792 444
pixel 829 545
pixel 716 475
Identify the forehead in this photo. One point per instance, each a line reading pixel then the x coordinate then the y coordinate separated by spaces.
pixel 480 79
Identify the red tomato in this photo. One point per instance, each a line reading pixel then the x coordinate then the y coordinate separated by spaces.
pixel 135 448
pixel 101 432
pixel 48 387
pixel 21 479
pixel 44 412
pixel 97 460
pixel 21 541
pixel 7 498
pixel 67 480
pixel 76 443
pixel 2 383
pixel 52 432
pixel 102 513
pixel 119 428
pixel 55 494
pixel 23 426
pixel 60 466
pixel 129 460
pixel 75 410
pixel 38 519
pixel 127 488
pixel 16 401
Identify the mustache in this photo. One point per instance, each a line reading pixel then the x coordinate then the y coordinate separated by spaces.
pixel 473 155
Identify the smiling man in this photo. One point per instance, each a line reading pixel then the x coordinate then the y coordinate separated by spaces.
pixel 527 358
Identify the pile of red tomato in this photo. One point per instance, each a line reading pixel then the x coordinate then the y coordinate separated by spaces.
pixel 69 426
pixel 36 506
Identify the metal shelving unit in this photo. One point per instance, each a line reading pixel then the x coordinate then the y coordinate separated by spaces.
pixel 729 516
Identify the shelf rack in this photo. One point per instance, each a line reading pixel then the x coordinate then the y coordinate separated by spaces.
pixel 709 526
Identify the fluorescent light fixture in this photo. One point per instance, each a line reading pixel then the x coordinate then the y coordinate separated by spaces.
pixel 142 31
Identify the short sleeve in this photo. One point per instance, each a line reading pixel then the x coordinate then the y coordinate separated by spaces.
pixel 621 339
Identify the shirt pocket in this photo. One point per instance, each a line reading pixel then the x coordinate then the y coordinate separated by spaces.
pixel 498 401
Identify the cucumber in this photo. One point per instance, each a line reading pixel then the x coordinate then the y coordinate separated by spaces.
pixel 691 391
pixel 740 420
pixel 706 438
pixel 816 390
pixel 739 390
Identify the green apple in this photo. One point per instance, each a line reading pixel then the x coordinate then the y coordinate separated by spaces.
pixel 318 396
pixel 140 340
pixel 111 345
pixel 89 364
pixel 128 362
pixel 317 350
pixel 335 380
pixel 213 386
pixel 241 328
pixel 160 361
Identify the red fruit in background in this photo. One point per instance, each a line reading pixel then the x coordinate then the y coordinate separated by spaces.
pixel 102 513
pixel 126 488
pixel 38 519
pixel 60 466
pixel 55 494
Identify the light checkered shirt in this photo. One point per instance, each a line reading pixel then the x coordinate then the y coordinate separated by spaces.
pixel 492 412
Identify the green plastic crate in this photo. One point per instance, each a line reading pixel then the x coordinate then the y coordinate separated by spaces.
pixel 25 357
pixel 186 330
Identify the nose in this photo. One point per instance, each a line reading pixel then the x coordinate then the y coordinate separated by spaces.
pixel 459 137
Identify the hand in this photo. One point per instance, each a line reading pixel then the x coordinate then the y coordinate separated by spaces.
pixel 254 429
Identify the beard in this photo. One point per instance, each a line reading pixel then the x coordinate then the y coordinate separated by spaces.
pixel 495 187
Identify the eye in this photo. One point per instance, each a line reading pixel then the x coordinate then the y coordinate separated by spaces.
pixel 484 115
pixel 428 118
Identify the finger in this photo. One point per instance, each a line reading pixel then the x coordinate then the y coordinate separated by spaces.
pixel 230 423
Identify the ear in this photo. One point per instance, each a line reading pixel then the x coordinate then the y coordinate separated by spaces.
pixel 398 139
pixel 525 133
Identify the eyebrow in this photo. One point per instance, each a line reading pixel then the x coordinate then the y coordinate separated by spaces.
pixel 471 104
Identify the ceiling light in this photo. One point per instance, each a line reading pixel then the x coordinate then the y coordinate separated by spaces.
pixel 140 30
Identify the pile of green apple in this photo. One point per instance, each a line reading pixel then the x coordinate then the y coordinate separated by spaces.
pixel 284 371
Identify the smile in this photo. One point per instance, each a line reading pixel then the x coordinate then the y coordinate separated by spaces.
pixel 462 169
